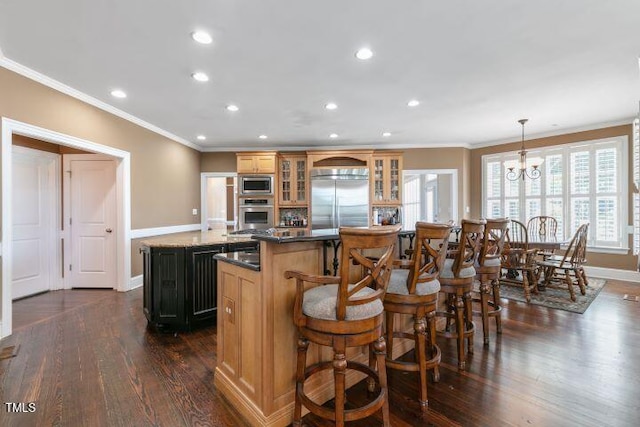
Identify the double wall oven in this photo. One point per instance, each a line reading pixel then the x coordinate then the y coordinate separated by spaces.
pixel 256 202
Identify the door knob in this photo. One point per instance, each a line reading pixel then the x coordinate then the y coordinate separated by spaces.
pixel 108 230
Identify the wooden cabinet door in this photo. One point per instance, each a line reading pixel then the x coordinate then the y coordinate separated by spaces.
pixel 386 184
pixel 245 164
pixel 293 190
pixel 265 164
pixel 239 348
pixel 300 180
pixel 285 198
pixel 168 282
pixel 394 180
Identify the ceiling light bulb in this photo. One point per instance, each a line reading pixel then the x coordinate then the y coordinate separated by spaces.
pixel 201 137
pixel 200 76
pixel 413 103
pixel 117 93
pixel 331 106
pixel 263 137
pixel 201 37
pixel 333 135
pixel 232 107
pixel 385 134
pixel 364 53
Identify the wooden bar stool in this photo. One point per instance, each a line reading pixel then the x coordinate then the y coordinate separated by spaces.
pixel 340 313
pixel 456 281
pixel 488 270
pixel 413 290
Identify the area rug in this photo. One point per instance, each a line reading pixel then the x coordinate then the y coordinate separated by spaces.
pixel 556 297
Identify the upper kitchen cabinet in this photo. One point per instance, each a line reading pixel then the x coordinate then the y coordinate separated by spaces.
pixel 386 179
pixel 257 163
pixel 293 189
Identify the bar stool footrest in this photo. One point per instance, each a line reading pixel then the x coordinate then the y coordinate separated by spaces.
pixel 349 414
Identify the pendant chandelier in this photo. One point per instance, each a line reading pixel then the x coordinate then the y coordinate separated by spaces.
pixel 523 171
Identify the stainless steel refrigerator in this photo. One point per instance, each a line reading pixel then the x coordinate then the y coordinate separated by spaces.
pixel 339 197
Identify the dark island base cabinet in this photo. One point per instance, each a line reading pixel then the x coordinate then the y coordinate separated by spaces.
pixel 180 286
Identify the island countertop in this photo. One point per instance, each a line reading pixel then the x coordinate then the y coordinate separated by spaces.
pixel 284 236
pixel 250 260
pixel 194 238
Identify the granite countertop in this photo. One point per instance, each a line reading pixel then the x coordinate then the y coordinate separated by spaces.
pixel 194 238
pixel 250 260
pixel 283 236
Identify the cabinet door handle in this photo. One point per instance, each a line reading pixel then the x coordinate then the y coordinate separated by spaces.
pixel 108 230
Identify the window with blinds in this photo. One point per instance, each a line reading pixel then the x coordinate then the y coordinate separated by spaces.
pixel 580 182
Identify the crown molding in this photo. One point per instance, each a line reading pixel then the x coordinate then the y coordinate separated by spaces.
pixel 388 146
pixel 565 131
pixel 27 72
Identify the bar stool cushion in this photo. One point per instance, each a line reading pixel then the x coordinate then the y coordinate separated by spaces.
pixel 447 270
pixel 320 303
pixel 398 284
pixel 493 262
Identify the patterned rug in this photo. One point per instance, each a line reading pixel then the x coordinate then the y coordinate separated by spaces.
pixel 556 297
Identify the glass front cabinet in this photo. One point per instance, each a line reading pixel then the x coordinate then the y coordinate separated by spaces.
pixel 386 179
pixel 293 183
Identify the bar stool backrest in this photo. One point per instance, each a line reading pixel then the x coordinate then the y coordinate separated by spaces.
pixel 376 271
pixel 495 233
pixel 470 239
pixel 432 241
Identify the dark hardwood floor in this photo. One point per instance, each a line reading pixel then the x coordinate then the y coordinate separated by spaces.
pixel 87 358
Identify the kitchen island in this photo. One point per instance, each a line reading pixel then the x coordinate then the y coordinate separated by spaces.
pixel 179 277
pixel 257 340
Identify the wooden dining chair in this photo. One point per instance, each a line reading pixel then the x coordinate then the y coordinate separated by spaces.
pixel 543 228
pixel 341 312
pixel 413 291
pixel 488 271
pixel 571 263
pixel 456 282
pixel 520 260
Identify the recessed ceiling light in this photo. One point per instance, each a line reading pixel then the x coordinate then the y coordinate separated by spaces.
pixel 232 107
pixel 201 37
pixel 364 53
pixel 200 76
pixel 413 103
pixel 201 137
pixel 263 137
pixel 117 93
pixel 331 106
pixel 385 134
pixel 333 135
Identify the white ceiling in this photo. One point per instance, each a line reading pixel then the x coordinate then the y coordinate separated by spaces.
pixel 476 66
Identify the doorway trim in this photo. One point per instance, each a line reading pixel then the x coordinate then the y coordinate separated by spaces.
pixel 203 194
pixel 123 204
pixel 455 196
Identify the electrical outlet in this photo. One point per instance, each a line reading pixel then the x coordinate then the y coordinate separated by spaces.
pixel 194 211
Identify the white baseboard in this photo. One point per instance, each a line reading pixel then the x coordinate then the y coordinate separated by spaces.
pixel 160 231
pixel 135 282
pixel 613 273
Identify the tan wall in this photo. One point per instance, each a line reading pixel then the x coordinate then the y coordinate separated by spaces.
pixel 218 162
pixel 443 158
pixel 165 175
pixel 623 262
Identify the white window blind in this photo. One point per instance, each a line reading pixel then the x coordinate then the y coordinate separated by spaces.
pixel 580 182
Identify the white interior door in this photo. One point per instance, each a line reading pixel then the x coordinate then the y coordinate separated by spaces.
pixel 34 207
pixel 92 199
